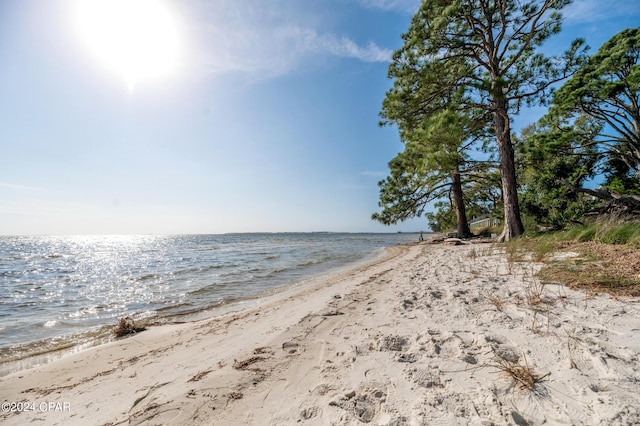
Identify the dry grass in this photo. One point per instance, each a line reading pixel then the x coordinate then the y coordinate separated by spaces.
pixel 534 293
pixel 472 254
pixel 521 375
pixel 536 326
pixel 495 300
pixel 607 268
pixel 607 261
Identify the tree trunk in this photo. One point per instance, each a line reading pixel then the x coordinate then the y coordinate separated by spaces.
pixel 458 200
pixel 512 223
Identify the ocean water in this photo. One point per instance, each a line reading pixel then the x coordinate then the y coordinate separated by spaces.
pixel 69 291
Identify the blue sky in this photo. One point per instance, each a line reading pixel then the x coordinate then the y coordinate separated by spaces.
pixel 266 119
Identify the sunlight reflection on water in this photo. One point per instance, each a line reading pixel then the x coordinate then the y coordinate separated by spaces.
pixel 52 287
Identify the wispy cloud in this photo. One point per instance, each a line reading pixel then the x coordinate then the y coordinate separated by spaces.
pixel 587 11
pixel 346 48
pixel 251 37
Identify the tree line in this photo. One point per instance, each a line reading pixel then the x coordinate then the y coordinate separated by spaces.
pixel 465 69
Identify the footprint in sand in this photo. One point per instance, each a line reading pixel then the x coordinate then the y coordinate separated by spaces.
pixel 364 404
pixel 426 378
pixel 309 413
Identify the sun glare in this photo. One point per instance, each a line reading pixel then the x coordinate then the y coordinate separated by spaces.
pixel 137 39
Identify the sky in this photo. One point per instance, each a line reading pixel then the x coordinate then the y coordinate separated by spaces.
pixel 194 116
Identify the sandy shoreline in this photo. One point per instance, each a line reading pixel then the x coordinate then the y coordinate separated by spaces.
pixel 414 338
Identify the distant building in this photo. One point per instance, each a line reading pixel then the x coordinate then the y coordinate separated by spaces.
pixel 483 222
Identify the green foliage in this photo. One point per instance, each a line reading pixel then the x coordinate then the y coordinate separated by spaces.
pixel 601 232
pixel 620 179
pixel 593 128
pixel 429 167
pixel 409 187
pixel 483 195
pixel 623 185
pixel 607 89
pixel 448 43
pixel 443 219
pixel 551 157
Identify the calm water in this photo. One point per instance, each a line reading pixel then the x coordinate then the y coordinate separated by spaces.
pixel 58 292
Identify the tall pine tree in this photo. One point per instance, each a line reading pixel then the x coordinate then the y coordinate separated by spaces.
pixel 487 48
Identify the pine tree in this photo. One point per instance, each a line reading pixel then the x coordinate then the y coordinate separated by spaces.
pixel 488 49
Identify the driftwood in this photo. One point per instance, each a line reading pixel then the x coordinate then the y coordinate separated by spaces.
pixel 621 206
pixel 455 242
pixel 127 326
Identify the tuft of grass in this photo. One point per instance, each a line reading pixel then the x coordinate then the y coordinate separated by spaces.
pixel 521 375
pixel 628 233
pixel 587 233
pixel 534 293
pixel 496 300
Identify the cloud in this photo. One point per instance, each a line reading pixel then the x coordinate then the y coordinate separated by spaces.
pixel 587 11
pixel 346 48
pixel 277 51
pixel 264 41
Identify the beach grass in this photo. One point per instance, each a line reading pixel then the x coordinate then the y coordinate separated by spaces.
pixel 520 373
pixel 599 257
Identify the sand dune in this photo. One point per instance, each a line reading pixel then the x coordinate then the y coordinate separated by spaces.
pixel 426 335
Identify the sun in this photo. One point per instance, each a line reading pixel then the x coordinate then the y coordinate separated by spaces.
pixel 136 39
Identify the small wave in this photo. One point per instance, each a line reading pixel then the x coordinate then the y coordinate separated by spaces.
pixel 149 277
pixel 211 289
pixel 89 310
pixel 312 262
pixel 50 323
pixel 166 310
pixel 205 268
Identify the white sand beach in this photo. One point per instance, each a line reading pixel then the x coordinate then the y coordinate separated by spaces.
pixel 423 336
